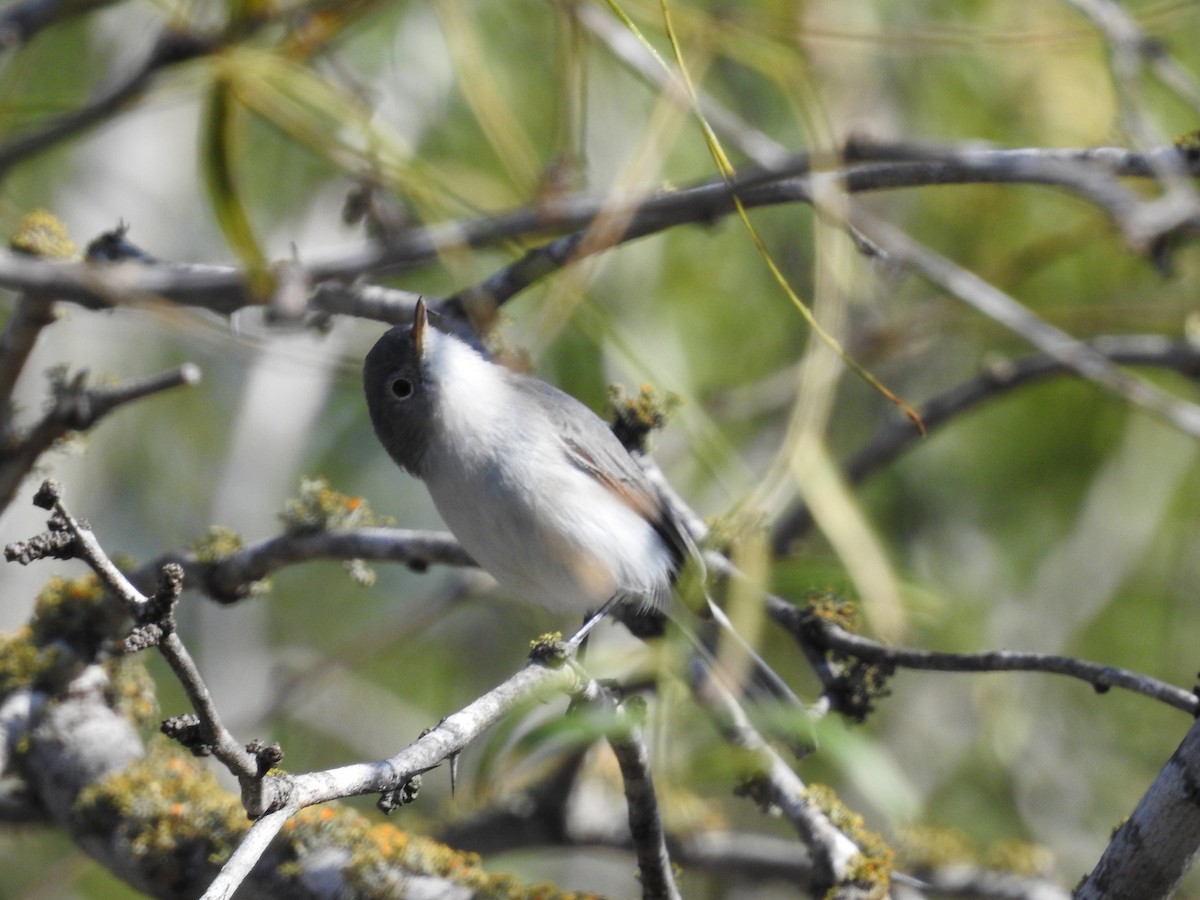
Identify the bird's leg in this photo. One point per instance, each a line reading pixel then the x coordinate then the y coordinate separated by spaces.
pixel 592 620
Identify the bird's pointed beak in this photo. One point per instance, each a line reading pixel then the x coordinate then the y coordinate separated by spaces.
pixel 420 319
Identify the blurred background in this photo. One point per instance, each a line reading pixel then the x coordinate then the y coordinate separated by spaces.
pixel 1054 519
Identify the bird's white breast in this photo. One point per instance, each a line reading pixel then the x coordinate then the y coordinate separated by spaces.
pixel 545 529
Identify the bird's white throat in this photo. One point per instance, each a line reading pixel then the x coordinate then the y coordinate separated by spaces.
pixel 471 390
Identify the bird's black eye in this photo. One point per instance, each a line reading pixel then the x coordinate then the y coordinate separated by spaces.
pixel 402 388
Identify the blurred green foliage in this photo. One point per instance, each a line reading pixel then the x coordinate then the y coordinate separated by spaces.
pixel 1055 519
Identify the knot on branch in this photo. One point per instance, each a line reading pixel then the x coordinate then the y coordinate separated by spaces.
pixel 74 405
pixel 143 637
pixel 634 418
pixel 267 756
pixel 187 730
pixel 156 617
pixel 57 542
pixel 853 684
pixel 549 649
pixel 160 608
pixel 114 246
pixel 48 494
pixel 406 793
pixel 213 551
pixel 854 690
pixel 756 787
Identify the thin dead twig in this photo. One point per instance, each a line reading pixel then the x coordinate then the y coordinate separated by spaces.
pixel 155 619
pixel 996 381
pixel 77 406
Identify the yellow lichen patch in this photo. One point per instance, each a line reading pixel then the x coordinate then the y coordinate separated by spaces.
pixel 169 810
pixel 548 648
pixel 924 847
pixel 77 611
pixel 22 662
pixel 41 233
pixel 1188 142
pixel 72 619
pixel 834 609
pixel 382 856
pixel 217 543
pixel 320 508
pixel 649 409
pixel 132 691
pixel 872 868
pixel 1020 858
pixel 635 417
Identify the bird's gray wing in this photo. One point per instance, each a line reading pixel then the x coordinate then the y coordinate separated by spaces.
pixel 591 446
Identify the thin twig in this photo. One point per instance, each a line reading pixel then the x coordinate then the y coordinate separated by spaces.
pixel 1007 311
pixel 30 315
pixel 1129 50
pixel 450 736
pixel 645 823
pixel 447 738
pixel 827 636
pixel 996 381
pixel 248 853
pixel 365 301
pixel 171 48
pixel 773 783
pixel 1145 224
pixel 77 407
pixel 223 289
pixel 155 613
pixel 231 578
pixel 21 21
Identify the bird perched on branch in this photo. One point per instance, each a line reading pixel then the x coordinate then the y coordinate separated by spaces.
pixel 535 486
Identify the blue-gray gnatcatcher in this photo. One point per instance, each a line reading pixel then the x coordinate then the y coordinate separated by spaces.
pixel 534 485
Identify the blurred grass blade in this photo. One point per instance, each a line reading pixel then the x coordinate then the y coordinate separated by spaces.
pixel 333 123
pixel 216 159
pixel 485 98
pixel 725 167
pixel 325 24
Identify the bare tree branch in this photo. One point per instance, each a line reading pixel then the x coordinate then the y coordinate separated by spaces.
pixel 155 619
pixel 449 737
pixel 1160 841
pixel 171 48
pixel 76 406
pixel 1004 309
pixel 827 636
pixel 231 578
pixel 996 381
pixel 773 783
pixel 645 824
pixel 94 778
pixel 30 315
pixel 248 853
pixel 1132 49
pixel 224 289
pixel 22 20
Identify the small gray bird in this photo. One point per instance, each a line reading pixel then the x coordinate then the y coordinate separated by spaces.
pixel 534 485
pixel 537 488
